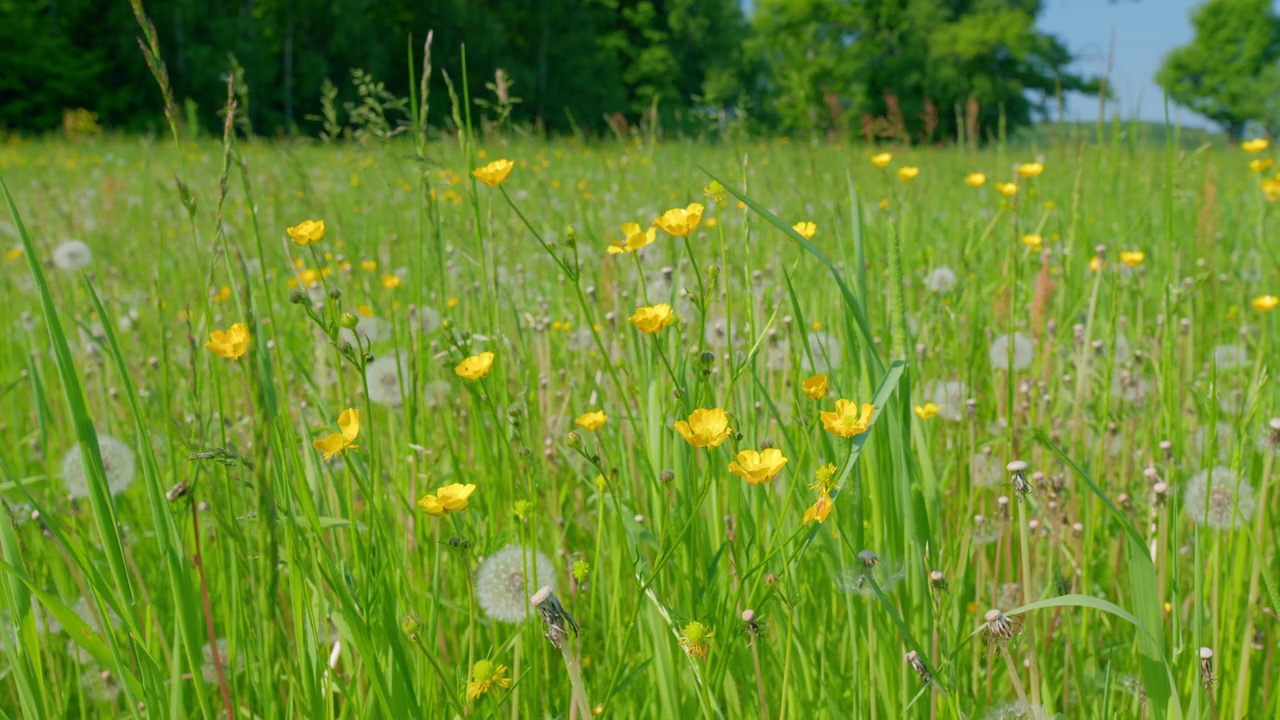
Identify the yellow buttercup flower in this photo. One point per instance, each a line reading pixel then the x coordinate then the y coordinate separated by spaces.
pixel 1260 165
pixel 591 421
pixel 715 191
pixel 1271 188
pixel 815 387
pixel 694 638
pixel 825 480
pixel 1132 258
pixel 848 420
pixel 391 282
pixel 1255 146
pixel 633 239
pixel 495 173
pixel 653 318
pixel 1265 303
pixel 368 265
pixel 705 428
pixel 14 253
pixel 1031 169
pixel 307 232
pixel 231 344
pixel 882 160
pixel 680 221
pixel 448 499
pixel 758 467
pixel 975 180
pixel 926 411
pixel 805 229
pixel 1033 241
pixel 475 367
pixel 334 443
pixel 1007 189
pixel 1095 263
pixel 820 509
pixel 222 295
pixel 908 173
pixel 485 676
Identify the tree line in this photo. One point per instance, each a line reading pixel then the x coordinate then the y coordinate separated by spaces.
pixel 906 70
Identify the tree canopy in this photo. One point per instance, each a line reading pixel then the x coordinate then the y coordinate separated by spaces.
pixel 920 70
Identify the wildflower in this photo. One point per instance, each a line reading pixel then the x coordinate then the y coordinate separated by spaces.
pixel 908 173
pixel 820 509
pixel 1023 352
pixel 1219 499
pixel 1265 303
pixel 882 160
pixel 117 463
pixel 715 191
pixel 633 239
pixel 72 255
pixel 1271 188
pixel 1033 241
pixel 1132 258
pixel 1031 169
pixel 475 367
pixel 1256 145
pixel 1000 627
pixel 591 421
pixel 942 279
pixel 975 180
pixel 848 419
pixel 14 253
pixel 805 229
pixel 368 265
pixel 495 173
pixel 448 499
pixel 926 411
pixel 505 581
pixel 1095 263
pixel 694 639
pixel 815 387
pixel 680 221
pixel 758 467
pixel 1007 189
pixel 652 319
pixel 383 377
pixel 705 428
pixel 334 443
pixel 222 295
pixel 231 344
pixel 486 675
pixel 948 396
pixel 307 232
pixel 1260 165
pixel 825 480
pixel 391 282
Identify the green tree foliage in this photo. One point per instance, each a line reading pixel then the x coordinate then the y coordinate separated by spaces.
pixel 910 69
pixel 1228 72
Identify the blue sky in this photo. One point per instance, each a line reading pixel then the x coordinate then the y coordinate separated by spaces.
pixel 1144 31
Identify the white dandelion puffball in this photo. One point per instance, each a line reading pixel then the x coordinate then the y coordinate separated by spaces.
pixel 384 380
pixel 437 392
pixel 718 333
pixel 1023 351
pixel 230 666
pixel 1211 498
pixel 117 461
pixel 507 578
pixel 430 319
pixel 369 329
pixel 72 255
pixel 941 280
pixel 825 349
pixel 985 470
pixel 949 396
pixel 1230 357
pixel 1226 439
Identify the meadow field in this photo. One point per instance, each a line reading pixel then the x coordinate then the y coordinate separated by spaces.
pixel 820 436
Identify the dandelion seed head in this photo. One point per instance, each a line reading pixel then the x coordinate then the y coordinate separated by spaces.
pixel 72 255
pixel 370 330
pixel 942 279
pixel 117 461
pixel 1016 711
pixel 1225 439
pixel 825 349
pixel 384 379
pixel 888 574
pixel 1230 356
pixel 1210 498
pixel 1023 352
pixel 949 396
pixel 505 579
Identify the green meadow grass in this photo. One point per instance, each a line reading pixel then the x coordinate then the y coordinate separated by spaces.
pixel 239 574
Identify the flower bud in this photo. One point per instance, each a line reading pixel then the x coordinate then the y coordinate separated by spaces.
pixel 349 320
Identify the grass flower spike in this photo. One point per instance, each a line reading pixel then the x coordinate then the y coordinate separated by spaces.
pixel 758 467
pixel 448 499
pixel 334 443
pixel 705 428
pixel 231 344
pixel 495 173
pixel 307 232
pixel 848 419
pixel 680 221
pixel 475 367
